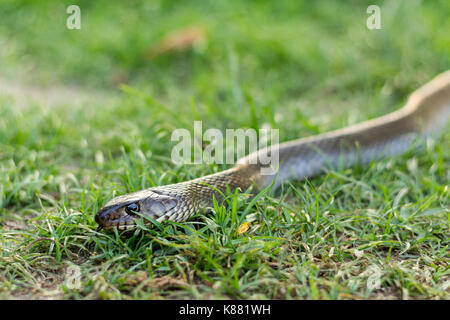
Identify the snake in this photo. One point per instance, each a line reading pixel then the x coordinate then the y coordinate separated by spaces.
pixel 423 116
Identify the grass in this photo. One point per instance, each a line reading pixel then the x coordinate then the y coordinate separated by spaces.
pixel 298 66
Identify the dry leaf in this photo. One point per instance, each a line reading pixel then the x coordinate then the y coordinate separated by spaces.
pixel 243 227
pixel 177 41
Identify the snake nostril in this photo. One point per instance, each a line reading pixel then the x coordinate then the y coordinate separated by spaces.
pixel 98 219
pixel 101 218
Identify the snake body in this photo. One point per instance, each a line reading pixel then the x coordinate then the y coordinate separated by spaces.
pixel 423 116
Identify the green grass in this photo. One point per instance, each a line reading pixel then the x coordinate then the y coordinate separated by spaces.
pixel 302 67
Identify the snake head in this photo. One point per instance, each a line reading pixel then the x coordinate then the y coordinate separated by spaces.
pixel 122 212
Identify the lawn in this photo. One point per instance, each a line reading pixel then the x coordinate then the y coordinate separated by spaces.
pixel 106 98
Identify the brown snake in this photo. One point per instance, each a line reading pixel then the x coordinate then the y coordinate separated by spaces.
pixel 425 113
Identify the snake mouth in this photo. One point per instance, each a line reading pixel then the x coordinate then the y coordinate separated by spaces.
pixel 120 224
pixel 112 217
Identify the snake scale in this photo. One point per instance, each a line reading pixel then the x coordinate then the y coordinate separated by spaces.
pixel 424 115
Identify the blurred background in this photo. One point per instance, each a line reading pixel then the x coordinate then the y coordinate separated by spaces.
pixel 278 49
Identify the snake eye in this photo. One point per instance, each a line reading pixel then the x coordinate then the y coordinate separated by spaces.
pixel 132 208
